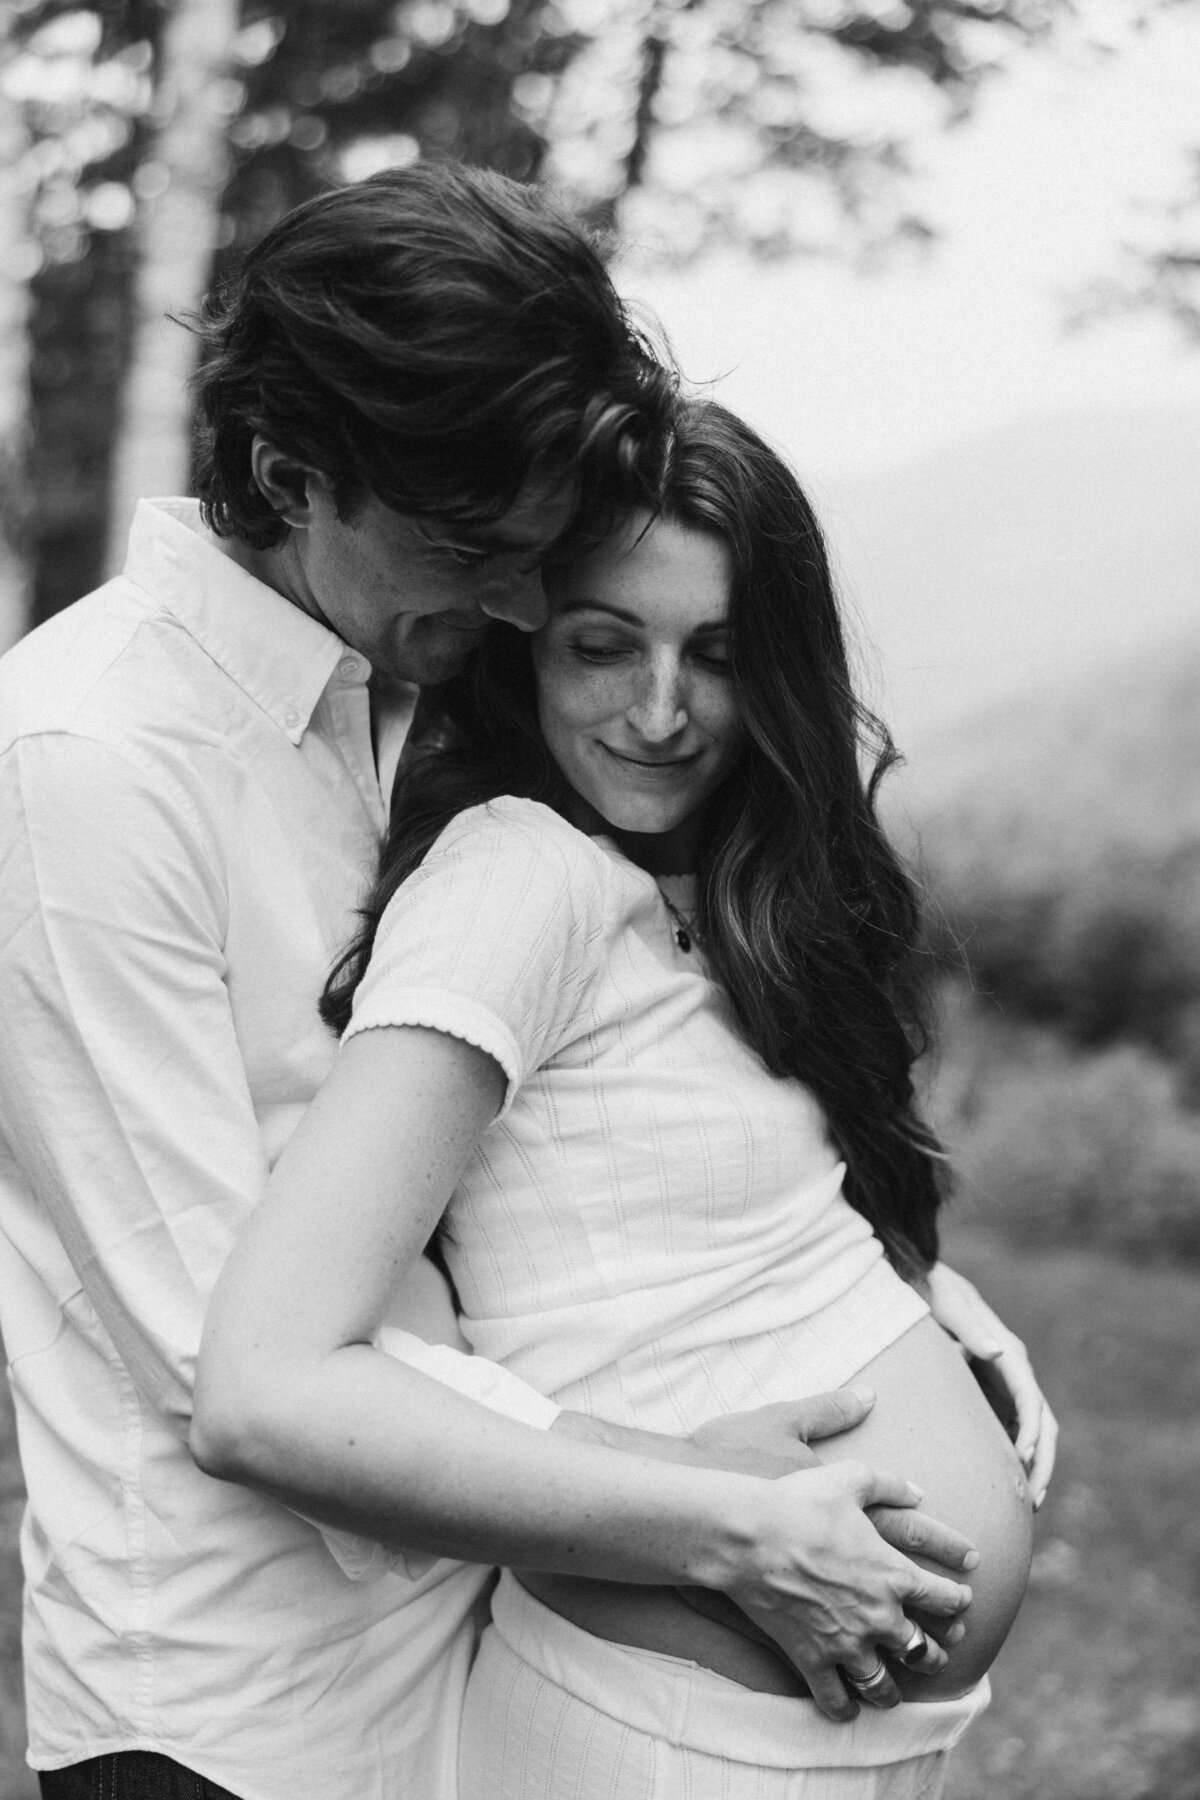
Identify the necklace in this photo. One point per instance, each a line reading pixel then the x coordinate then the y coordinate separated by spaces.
pixel 685 931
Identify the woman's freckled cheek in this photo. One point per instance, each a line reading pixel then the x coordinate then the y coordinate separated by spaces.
pixel 585 696
pixel 602 697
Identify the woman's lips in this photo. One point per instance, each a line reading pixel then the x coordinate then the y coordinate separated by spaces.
pixel 652 764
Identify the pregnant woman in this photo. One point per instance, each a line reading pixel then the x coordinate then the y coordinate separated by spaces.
pixel 639 961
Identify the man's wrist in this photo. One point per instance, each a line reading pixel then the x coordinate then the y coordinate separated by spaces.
pixel 631 1440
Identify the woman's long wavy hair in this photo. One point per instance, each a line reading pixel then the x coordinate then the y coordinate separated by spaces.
pixel 808 918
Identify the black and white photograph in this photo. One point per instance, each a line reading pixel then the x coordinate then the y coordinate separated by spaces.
pixel 600 899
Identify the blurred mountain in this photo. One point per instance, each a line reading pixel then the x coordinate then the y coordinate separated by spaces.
pixel 1059 836
pixel 1101 771
pixel 1040 628
pixel 1018 560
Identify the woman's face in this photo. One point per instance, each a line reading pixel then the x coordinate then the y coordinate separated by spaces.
pixel 632 669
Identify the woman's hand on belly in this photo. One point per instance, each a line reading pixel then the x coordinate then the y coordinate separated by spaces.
pixel 960 1309
pixel 932 1424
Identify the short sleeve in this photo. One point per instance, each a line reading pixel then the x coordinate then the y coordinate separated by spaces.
pixel 494 939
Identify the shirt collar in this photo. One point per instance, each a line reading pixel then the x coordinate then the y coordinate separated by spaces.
pixel 275 652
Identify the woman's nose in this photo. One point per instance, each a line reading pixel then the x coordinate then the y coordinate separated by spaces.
pixel 659 711
pixel 518 598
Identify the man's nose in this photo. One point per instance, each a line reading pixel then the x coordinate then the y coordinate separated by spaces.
pixel 518 598
pixel 659 711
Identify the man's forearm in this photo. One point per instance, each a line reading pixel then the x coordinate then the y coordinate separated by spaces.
pixel 659 1445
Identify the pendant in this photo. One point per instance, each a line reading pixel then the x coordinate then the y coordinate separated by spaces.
pixel 680 927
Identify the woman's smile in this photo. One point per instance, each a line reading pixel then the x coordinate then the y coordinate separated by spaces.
pixel 655 764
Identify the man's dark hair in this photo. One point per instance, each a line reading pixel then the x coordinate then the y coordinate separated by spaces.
pixel 433 336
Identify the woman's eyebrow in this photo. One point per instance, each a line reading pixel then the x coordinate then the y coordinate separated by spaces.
pixel 605 606
pixel 709 628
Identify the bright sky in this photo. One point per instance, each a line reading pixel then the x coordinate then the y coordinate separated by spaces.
pixel 853 374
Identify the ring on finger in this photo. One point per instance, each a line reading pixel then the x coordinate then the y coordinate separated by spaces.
pixel 916 1649
pixel 866 1684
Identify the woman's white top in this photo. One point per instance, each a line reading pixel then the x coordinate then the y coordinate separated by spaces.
pixel 653 1230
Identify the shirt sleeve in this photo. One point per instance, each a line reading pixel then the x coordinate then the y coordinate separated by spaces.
pixel 123 1093
pixel 494 939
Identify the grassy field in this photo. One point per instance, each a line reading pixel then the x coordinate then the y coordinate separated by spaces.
pixel 1096 1690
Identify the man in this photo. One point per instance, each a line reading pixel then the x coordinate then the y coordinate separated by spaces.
pixel 415 387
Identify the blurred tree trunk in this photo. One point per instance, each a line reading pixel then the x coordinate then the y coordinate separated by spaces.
pixel 79 342
pixel 177 235
pixel 81 311
pixel 14 370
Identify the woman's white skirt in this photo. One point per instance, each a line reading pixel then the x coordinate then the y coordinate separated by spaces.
pixel 553 1713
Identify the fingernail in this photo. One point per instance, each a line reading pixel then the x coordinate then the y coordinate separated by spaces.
pixel 989 1351
pixel 916 1492
pixel 971 1560
pixel 1037 1505
pixel 956 1633
pixel 865 1394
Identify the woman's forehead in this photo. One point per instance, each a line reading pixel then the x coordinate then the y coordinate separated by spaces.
pixel 650 571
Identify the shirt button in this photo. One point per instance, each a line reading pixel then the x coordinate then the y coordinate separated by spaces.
pixel 291 718
pixel 348 667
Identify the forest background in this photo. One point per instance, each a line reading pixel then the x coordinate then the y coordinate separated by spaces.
pixel 143 143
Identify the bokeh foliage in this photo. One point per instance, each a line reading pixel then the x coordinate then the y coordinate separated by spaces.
pixel 1061 842
pixel 780 124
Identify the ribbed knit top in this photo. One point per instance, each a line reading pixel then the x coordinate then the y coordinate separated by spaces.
pixel 653 1230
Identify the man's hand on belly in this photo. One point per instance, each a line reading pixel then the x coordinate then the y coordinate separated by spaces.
pixel 767 1441
pixel 773 1441
pixel 776 1440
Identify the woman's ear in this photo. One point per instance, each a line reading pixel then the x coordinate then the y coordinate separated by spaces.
pixel 285 484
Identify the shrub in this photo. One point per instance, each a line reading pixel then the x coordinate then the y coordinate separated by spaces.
pixel 1054 1146
pixel 1105 956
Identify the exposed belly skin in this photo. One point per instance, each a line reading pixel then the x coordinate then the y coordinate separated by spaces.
pixel 930 1424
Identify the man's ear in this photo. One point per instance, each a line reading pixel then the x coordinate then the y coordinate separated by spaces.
pixel 286 485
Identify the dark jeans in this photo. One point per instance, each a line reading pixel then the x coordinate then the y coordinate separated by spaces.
pixel 129 1775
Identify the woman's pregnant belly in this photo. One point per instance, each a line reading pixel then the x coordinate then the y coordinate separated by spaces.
pixel 931 1424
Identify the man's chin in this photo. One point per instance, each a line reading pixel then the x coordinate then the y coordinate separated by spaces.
pixel 428 665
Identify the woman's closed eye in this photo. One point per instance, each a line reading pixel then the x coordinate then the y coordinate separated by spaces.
pixel 711 657
pixel 714 659
pixel 599 650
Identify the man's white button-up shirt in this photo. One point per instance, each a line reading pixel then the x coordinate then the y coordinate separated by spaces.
pixel 189 801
